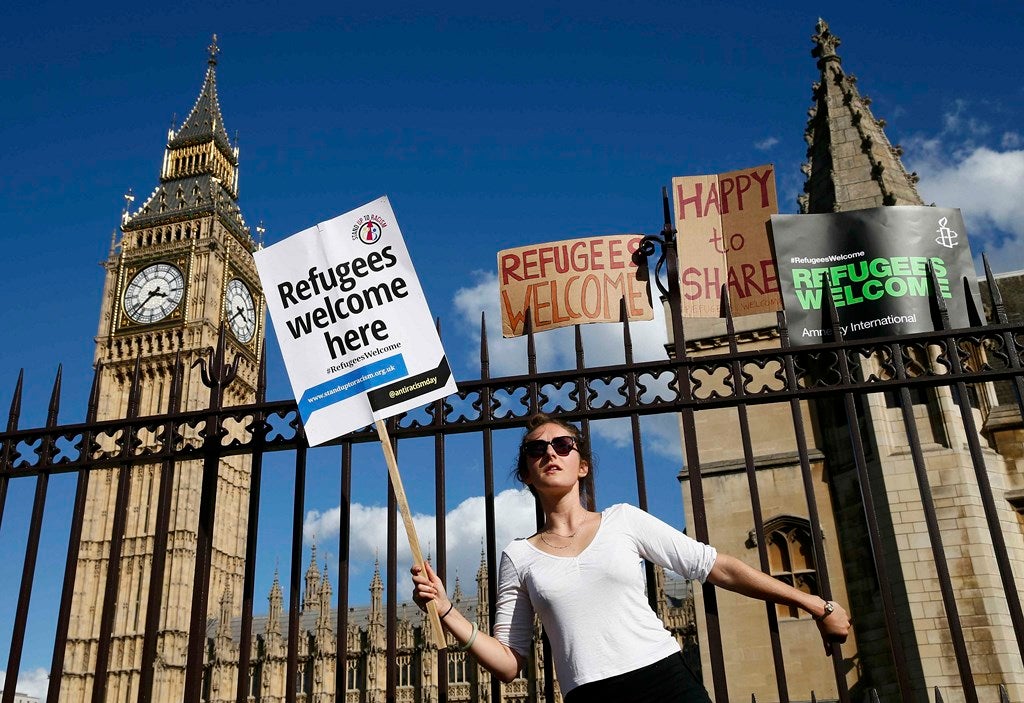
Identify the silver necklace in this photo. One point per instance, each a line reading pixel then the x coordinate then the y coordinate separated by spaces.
pixel 568 537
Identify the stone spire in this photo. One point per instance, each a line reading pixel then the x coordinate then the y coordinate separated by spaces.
pixel 850 163
pixel 323 620
pixel 274 611
pixel 310 597
pixel 223 637
pixel 483 610
pixel 376 589
pixel 199 175
pixel 375 620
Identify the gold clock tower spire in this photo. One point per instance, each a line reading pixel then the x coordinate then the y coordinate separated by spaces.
pixel 182 269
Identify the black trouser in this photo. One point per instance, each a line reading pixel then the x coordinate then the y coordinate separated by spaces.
pixel 666 680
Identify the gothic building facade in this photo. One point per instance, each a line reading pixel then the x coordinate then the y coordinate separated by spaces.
pixel 851 165
pixel 417 655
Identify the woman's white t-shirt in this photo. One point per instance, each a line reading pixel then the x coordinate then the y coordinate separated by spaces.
pixel 594 605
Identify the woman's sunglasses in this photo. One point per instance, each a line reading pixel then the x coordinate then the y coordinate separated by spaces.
pixel 536 448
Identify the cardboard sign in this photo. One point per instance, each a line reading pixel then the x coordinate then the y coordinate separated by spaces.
pixel 357 337
pixel 572 282
pixel 873 264
pixel 722 222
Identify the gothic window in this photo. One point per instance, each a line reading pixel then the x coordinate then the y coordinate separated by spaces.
pixel 352 675
pixel 405 670
pixel 791 557
pixel 458 672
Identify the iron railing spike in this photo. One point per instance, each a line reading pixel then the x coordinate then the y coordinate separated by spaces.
pixel 998 306
pixel 725 310
pixel 531 343
pixel 135 389
pixel 627 336
pixel 15 413
pixel 833 312
pixel 54 408
pixel 261 375
pixel 937 299
pixel 668 231
pixel 780 318
pixel 485 355
pixel 93 406
pixel 975 310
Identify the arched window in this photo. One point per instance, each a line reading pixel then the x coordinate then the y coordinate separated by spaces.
pixel 791 557
pixel 457 671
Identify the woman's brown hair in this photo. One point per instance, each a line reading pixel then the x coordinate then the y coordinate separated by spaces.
pixel 586 483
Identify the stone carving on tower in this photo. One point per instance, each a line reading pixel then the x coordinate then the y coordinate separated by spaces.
pixel 181 270
pixel 850 163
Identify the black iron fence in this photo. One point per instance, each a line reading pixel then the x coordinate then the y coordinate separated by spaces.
pixel 833 380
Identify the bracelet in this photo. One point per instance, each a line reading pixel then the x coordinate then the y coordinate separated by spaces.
pixel 471 640
pixel 829 609
pixel 447 611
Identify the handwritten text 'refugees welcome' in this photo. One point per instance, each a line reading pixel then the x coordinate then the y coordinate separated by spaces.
pixel 342 300
pixel 867 280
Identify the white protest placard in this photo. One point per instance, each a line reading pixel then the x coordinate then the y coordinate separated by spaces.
pixel 354 328
pixel 357 337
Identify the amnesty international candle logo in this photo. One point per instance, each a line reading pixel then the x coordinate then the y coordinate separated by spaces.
pixel 874 266
pixel 947 237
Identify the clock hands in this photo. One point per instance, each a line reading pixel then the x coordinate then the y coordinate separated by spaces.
pixel 152 294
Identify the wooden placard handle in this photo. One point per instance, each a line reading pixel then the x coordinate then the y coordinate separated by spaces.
pixel 410 528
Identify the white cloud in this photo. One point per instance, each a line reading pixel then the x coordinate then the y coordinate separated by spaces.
pixel 465 531
pixel 958 169
pixel 766 144
pixel 33 683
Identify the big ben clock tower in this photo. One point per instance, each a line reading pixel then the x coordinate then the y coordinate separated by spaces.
pixel 183 268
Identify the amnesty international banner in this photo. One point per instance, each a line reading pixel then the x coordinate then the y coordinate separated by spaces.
pixel 722 224
pixel 572 282
pixel 873 265
pixel 357 337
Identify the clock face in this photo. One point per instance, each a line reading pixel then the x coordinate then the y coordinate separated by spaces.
pixel 240 310
pixel 154 293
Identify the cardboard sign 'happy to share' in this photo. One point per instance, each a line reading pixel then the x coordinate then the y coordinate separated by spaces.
pixel 357 337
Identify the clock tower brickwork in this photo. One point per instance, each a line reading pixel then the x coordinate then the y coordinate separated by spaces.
pixel 183 268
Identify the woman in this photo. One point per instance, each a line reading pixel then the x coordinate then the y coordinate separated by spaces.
pixel 581 575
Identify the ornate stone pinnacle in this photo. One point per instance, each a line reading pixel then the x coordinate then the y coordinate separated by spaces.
pixel 825 42
pixel 214 50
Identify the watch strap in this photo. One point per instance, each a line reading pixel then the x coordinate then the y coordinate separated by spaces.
pixel 829 609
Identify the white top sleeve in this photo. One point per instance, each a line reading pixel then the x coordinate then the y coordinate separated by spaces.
pixel 513 621
pixel 666 546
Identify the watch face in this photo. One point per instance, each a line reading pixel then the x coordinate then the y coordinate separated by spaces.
pixel 240 310
pixel 154 293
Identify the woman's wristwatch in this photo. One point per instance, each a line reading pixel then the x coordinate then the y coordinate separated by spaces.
pixel 829 609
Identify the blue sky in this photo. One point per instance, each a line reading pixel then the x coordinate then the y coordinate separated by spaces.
pixel 487 129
